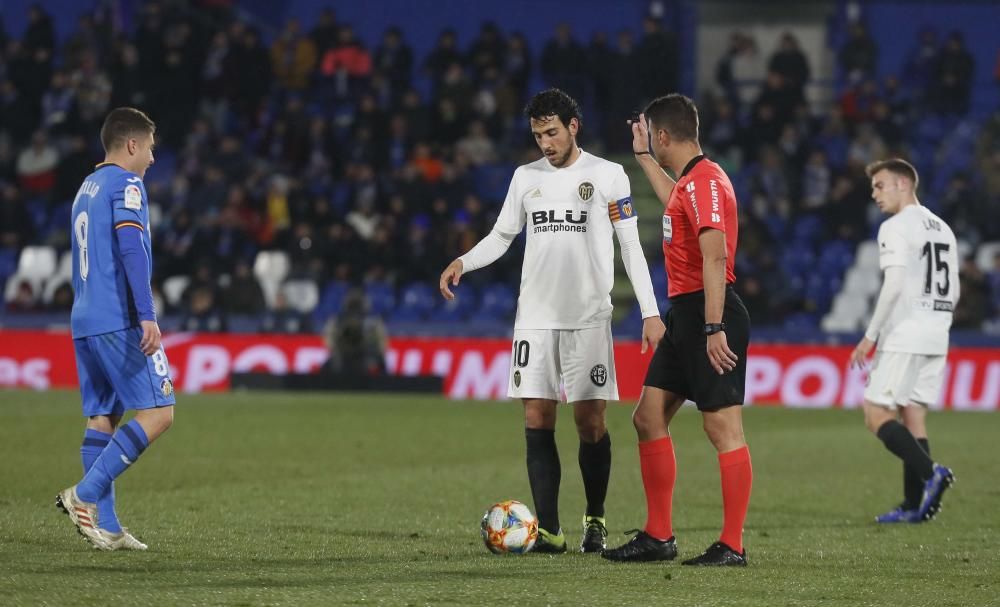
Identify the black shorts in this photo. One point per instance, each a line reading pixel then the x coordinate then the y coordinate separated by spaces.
pixel 680 363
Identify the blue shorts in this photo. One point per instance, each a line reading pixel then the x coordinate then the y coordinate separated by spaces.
pixel 116 376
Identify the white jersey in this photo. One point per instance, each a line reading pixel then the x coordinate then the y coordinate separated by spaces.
pixel 921 242
pixel 569 254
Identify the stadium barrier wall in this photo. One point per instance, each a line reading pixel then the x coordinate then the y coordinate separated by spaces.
pixel 792 375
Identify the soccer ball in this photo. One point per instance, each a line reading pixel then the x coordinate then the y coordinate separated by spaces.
pixel 509 527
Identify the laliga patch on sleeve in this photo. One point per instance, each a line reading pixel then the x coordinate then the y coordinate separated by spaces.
pixel 133 197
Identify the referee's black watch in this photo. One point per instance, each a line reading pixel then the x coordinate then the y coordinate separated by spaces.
pixel 711 328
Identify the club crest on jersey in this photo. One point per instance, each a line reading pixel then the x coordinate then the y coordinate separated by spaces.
pixel 585 191
pixel 133 198
pixel 599 375
pixel 517 379
pixel 166 387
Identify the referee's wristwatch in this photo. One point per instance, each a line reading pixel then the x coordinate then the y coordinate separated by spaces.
pixel 711 328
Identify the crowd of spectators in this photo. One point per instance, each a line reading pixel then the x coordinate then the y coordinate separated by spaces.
pixel 304 140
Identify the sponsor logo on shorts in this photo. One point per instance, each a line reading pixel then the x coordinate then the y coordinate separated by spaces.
pixel 517 379
pixel 599 375
pixel 586 191
pixel 166 387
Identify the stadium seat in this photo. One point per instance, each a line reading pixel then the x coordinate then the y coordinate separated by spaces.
pixel 173 289
pixel 10 289
pixel 498 301
pixel 458 309
pixel 330 301
pixel 37 262
pixel 381 297
pixel 271 268
pixel 416 302
pixel 984 256
pixel 62 275
pixel 302 295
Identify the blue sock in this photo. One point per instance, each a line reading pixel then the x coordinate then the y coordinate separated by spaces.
pixel 124 448
pixel 94 441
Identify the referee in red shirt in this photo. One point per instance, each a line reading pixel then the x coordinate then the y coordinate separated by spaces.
pixel 702 356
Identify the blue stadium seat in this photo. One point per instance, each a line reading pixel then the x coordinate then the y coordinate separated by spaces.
pixel 329 301
pixel 381 297
pixel 458 309
pixel 491 181
pixel 416 301
pixel 162 171
pixel 498 301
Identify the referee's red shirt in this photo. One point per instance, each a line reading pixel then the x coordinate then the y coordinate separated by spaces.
pixel 702 198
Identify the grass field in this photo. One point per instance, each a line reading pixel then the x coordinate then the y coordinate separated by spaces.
pixel 292 499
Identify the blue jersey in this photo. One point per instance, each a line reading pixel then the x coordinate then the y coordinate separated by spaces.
pixel 109 198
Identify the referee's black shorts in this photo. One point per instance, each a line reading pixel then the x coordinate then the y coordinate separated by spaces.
pixel 680 364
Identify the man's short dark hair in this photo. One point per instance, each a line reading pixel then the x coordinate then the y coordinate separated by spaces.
pixel 553 102
pixel 122 124
pixel 676 114
pixel 896 166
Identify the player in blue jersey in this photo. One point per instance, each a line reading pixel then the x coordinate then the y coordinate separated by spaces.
pixel 120 362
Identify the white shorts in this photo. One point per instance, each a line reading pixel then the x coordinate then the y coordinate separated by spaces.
pixel 900 379
pixel 582 360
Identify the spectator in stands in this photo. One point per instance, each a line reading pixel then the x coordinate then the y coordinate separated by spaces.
pixel 442 57
pixel 40 35
pixel 243 294
pixel 972 308
pixel 59 111
pixel 562 63
pixel 658 60
pixel 815 181
pixel 73 167
pixel 921 63
pixel 859 55
pixel 951 86
pixel 347 65
pixel 324 35
pixel 36 165
pixel 62 298
pixel 486 51
pixel 356 339
pixel 993 281
pixel 293 58
pixel 791 63
pixel 24 299
pixel 281 318
pixel 16 230
pixel 477 147
pixel 203 313
pixel 18 115
pixel 517 65
pixel 394 59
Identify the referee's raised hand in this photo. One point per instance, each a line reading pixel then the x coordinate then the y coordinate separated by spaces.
pixel 722 358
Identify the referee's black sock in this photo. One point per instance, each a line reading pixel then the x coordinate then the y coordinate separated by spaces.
pixel 595 465
pixel 913 486
pixel 900 441
pixel 544 475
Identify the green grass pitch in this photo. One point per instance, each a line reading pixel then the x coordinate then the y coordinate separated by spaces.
pixel 313 499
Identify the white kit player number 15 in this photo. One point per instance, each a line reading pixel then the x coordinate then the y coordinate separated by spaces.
pixel 935 264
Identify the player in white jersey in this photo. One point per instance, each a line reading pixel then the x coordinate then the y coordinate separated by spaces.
pixel 572 202
pixel 919 256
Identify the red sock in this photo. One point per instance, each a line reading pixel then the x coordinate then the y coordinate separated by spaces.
pixel 659 471
pixel 737 477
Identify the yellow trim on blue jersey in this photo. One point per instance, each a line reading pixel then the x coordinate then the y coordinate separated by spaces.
pixel 125 224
